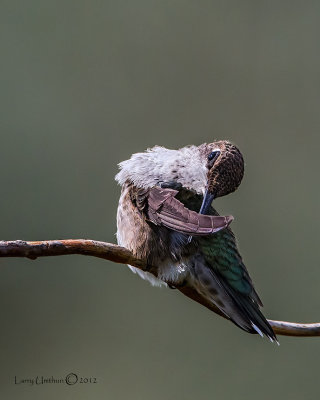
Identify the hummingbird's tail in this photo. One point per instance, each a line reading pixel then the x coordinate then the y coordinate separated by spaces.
pixel 240 308
pixel 250 312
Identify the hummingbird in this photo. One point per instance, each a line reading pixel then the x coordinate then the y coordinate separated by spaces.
pixel 165 216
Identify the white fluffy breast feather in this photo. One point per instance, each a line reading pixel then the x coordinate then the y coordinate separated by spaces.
pixel 159 164
pixel 152 167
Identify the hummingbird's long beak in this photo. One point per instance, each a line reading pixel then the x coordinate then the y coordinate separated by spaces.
pixel 206 203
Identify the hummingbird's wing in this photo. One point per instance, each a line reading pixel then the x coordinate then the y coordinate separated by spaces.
pixel 222 254
pixel 162 208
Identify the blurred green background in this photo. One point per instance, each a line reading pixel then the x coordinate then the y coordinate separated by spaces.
pixel 84 84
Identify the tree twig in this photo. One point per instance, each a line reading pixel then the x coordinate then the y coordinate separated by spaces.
pixel 118 254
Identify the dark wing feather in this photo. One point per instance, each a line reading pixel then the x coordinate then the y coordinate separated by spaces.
pixel 222 255
pixel 248 309
pixel 164 209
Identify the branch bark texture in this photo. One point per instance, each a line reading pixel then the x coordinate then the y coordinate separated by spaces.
pixel 121 255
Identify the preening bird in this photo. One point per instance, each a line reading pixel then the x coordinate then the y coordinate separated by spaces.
pixel 165 216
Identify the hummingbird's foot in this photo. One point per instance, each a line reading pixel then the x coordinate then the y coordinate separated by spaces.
pixel 171 286
pixel 148 268
pixel 176 285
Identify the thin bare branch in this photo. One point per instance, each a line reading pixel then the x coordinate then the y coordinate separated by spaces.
pixel 294 329
pixel 118 254
pixel 85 247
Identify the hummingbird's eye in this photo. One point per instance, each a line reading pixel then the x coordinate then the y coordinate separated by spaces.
pixel 213 155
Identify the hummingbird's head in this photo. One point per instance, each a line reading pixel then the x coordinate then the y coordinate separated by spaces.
pixel 225 169
pixel 213 169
